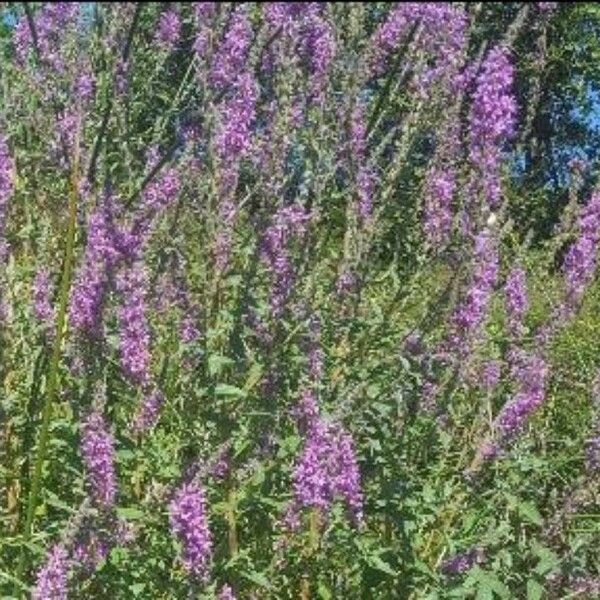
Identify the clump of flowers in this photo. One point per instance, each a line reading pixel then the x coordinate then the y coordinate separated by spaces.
pixel 327 469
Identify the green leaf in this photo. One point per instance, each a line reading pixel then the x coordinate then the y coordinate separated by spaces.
pixel 257 578
pixel 377 563
pixel 489 581
pixel 548 560
pixel 56 502
pixel 323 591
pixel 231 391
pixel 137 588
pixel 130 512
pixel 484 593
pixel 529 512
pixel 534 590
pixel 216 363
pixel 125 455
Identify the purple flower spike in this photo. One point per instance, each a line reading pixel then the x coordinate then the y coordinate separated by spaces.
pixel 134 330
pixel 149 411
pixel 226 593
pixel 7 188
pixel 492 120
pixel 98 454
pixel 327 470
pixel 491 375
pixel 51 583
pixel 581 258
pixel 42 301
pixel 237 114
pixel 441 186
pixel 169 30
pixel 288 222
pixel 516 299
pixel 472 312
pixel 189 524
pixel 531 374
pixel 87 297
pixel 231 56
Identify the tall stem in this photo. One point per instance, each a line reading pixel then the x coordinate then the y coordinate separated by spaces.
pixel 314 532
pixel 53 376
pixel 232 538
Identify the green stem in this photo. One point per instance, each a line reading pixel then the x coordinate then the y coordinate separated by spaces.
pixel 52 386
pixel 232 537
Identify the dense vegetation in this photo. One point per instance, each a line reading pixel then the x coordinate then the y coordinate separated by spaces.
pixel 299 300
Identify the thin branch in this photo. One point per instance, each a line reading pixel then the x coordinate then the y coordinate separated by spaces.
pixel 38 55
pixel 91 172
pixel 383 96
pixel 153 172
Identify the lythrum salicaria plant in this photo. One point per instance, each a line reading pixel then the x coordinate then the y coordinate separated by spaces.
pixel 298 300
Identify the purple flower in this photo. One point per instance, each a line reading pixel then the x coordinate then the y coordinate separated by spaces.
pixel 97 447
pixel 319 45
pixel 288 222
pixel 440 36
pixel 491 375
pixel 87 297
pixel 51 582
pixel 221 467
pixel 134 330
pixel 461 563
pixel 226 593
pixel 230 59
pixel 440 190
pixel 581 258
pixel 149 410
pixel 162 192
pixel 204 12
pixel 516 299
pixel 592 449
pixel 42 300
pixel 189 329
pixel 472 312
pixel 307 411
pixel 531 373
pixel 327 470
pixel 85 87
pixel 93 540
pixel 236 116
pixel 429 397
pixel 227 212
pixel 289 14
pixel 51 23
pixel 90 550
pixel 592 452
pixel 347 283
pixel 7 188
pixel 189 523
pixel 169 30
pixel 122 76
pixel 492 120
